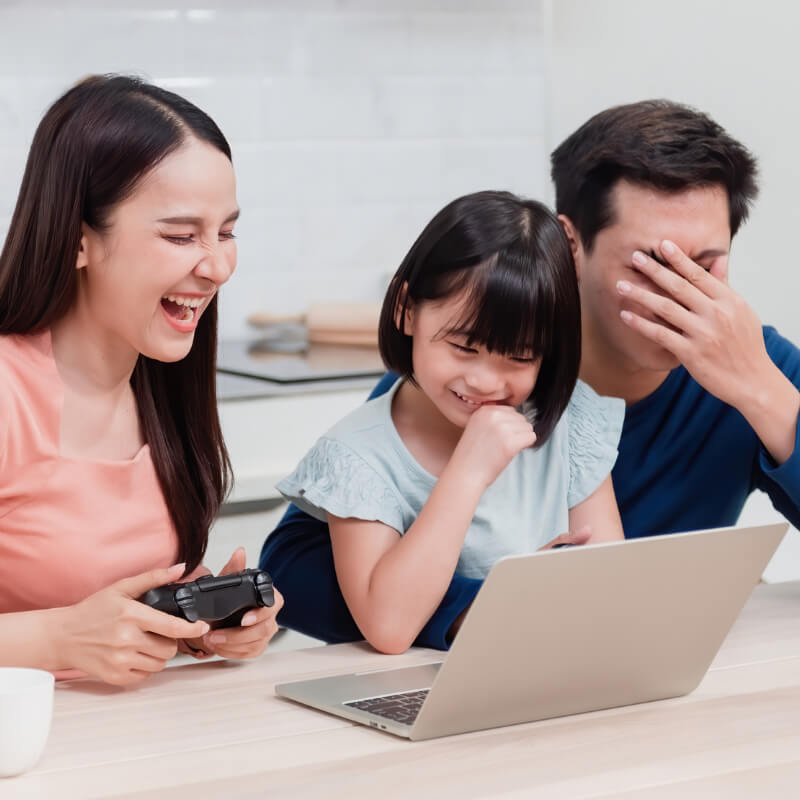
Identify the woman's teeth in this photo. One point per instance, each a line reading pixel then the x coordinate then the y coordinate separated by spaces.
pixel 191 302
pixel 183 309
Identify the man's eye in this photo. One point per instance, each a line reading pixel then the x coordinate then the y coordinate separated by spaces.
pixel 227 235
pixel 179 239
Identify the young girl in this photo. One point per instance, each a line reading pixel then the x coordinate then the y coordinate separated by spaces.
pixel 487 447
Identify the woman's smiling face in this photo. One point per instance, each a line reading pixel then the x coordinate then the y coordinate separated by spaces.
pixel 147 278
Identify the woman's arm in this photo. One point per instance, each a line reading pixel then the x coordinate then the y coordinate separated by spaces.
pixel 109 635
pixel 27 639
pixel 600 513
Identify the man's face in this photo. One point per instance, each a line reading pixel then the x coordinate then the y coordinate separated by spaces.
pixel 696 220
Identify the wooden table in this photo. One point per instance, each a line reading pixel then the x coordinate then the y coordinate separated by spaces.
pixel 215 730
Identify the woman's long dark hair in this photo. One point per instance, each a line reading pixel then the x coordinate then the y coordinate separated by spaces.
pixel 89 153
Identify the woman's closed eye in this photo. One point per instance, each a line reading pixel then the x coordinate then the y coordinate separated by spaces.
pixel 188 238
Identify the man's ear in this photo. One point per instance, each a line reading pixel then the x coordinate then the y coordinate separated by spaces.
pixel 574 240
pixel 402 321
pixel 82 259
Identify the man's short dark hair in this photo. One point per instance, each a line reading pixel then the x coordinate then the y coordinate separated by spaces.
pixel 654 143
pixel 512 258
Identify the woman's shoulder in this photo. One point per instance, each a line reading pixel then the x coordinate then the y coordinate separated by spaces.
pixel 25 363
pixel 27 390
pixel 22 354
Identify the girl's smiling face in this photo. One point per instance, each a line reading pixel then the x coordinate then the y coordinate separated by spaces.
pixel 147 278
pixel 460 376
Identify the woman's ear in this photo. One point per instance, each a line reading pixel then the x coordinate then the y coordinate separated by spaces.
pixel 404 321
pixel 82 259
pixel 574 240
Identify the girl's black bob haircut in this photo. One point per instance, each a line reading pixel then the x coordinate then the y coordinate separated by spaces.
pixel 512 259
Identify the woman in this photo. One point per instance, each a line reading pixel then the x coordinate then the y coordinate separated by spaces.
pixel 112 462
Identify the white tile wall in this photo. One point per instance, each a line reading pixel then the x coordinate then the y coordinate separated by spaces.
pixel 351 121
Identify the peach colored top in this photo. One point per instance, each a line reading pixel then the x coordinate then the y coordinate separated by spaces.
pixel 68 527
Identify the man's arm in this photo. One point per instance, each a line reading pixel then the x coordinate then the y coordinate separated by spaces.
pixel 720 341
pixel 781 481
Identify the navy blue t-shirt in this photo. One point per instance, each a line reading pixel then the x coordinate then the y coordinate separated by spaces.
pixel 687 461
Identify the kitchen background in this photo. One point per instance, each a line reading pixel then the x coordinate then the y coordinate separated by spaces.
pixel 352 122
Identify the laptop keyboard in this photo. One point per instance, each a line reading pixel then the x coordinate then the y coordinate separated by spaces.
pixel 402 707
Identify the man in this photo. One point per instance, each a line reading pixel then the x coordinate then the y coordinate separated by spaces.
pixel 650 196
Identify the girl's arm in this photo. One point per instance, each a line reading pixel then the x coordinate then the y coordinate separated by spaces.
pixel 600 513
pixel 393 584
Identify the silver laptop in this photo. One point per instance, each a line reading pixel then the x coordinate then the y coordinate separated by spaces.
pixel 567 631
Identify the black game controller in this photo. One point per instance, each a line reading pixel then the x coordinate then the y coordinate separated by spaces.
pixel 220 601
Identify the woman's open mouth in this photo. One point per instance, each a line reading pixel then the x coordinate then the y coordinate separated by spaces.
pixel 181 311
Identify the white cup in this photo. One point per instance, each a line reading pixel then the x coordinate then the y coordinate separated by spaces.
pixel 26 709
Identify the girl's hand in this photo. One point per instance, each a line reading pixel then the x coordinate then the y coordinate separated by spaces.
pixel 112 636
pixel 248 640
pixel 492 437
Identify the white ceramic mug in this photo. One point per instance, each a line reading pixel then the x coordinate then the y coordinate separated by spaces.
pixel 26 709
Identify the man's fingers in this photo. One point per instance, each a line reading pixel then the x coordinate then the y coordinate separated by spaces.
pixel 137 585
pixel 236 563
pixel 663 307
pixel 656 332
pixel 674 284
pixel 693 272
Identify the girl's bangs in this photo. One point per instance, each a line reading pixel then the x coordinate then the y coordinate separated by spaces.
pixel 510 306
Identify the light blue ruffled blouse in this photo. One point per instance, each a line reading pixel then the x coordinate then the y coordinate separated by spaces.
pixel 361 468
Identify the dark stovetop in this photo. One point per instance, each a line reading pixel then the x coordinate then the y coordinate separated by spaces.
pixel 245 369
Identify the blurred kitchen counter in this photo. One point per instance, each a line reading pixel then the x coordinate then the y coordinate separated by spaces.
pixel 274 406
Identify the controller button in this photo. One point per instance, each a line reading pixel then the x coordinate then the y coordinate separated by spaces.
pixel 209 583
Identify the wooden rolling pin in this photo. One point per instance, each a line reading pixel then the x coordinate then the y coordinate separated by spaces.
pixel 330 323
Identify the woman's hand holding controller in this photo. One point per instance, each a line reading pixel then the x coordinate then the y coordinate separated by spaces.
pixel 250 639
pixel 492 437
pixel 112 636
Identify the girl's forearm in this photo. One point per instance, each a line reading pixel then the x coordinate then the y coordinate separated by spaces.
pixel 409 581
pixel 28 639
